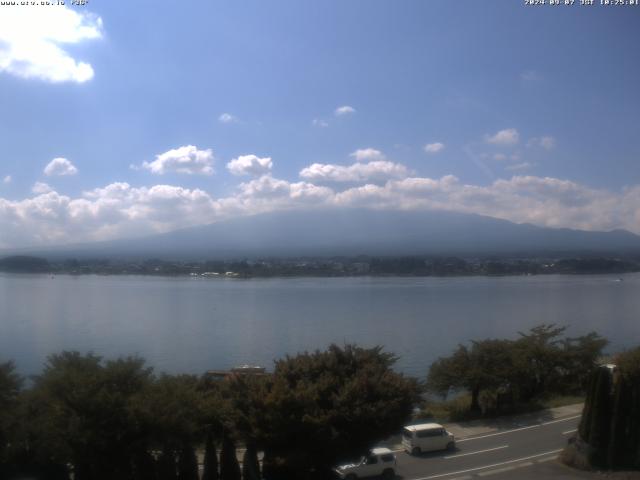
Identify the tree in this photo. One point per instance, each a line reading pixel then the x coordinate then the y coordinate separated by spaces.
pixel 187 464
pixel 10 385
pixel 167 468
pixel 250 464
pixel 170 412
pixel 229 467
pixel 320 408
pixel 86 411
pixel 210 459
pixel 538 363
pixel 487 365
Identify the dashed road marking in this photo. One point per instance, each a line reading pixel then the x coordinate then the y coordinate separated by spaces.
pixel 570 431
pixel 475 453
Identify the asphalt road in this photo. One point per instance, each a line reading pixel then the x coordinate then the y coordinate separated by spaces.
pixel 489 454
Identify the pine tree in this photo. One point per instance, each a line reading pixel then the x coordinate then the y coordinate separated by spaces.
pixel 210 459
pixel 250 464
pixel 229 467
pixel 167 466
pixel 188 464
pixel 601 418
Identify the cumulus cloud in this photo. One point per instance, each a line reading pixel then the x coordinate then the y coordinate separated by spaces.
pixel 187 159
pixel 358 172
pixel 317 122
pixel 344 110
pixel 40 187
pixel 121 210
pixel 7 179
pixel 367 154
pixel 60 167
pixel 250 165
pixel 227 118
pixel 434 147
pixel 32 40
pixel 509 136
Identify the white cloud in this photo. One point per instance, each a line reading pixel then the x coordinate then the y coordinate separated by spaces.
pixel 227 118
pixel 434 147
pixel 31 40
pixel 367 154
pixel 547 142
pixel 317 122
pixel 60 167
pixel 501 157
pixel 358 172
pixel 7 179
pixel 250 165
pixel 40 187
pixel 344 110
pixel 187 159
pixel 509 136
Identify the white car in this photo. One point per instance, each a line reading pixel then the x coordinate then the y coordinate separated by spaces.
pixel 426 437
pixel 381 462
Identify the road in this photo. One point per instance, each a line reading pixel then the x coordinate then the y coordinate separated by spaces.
pixel 491 453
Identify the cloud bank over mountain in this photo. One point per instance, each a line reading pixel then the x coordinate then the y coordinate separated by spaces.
pixel 121 210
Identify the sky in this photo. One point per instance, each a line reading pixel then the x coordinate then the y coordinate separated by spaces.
pixel 120 119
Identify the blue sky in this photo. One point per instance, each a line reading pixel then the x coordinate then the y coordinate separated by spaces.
pixel 169 114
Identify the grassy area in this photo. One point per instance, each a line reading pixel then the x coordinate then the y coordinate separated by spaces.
pixel 457 409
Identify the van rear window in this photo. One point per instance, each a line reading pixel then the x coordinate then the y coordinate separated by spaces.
pixel 432 432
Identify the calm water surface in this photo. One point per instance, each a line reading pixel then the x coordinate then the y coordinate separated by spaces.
pixel 191 325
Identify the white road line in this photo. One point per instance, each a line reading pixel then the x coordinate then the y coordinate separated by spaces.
pixel 504 432
pixel 475 453
pixel 548 459
pixel 561 420
pixel 570 431
pixel 497 433
pixel 489 466
pixel 498 470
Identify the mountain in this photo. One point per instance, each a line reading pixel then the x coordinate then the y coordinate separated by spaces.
pixel 355 232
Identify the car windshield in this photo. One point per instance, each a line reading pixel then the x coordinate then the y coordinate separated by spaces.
pixel 406 433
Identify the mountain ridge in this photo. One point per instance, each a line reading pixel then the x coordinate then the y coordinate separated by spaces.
pixel 357 232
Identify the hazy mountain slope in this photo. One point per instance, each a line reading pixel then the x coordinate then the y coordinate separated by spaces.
pixel 353 232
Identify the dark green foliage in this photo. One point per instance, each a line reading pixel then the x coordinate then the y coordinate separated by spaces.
pixel 537 364
pixel 210 459
pixel 250 464
pixel 85 406
pixel 229 467
pixel 10 384
pixel 601 417
pixel 167 468
pixel 144 466
pixel 610 424
pixel 318 408
pixel 187 464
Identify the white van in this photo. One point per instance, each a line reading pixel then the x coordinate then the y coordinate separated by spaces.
pixel 426 437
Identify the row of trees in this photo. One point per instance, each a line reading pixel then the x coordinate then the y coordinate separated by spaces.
pixel 500 374
pixel 116 419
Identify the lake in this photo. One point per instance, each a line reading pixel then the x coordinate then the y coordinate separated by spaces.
pixel 192 325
